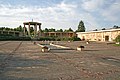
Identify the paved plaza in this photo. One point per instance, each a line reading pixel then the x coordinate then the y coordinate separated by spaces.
pixel 23 60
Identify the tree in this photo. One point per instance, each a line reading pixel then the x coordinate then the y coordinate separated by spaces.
pixel 95 30
pixel 69 30
pixel 46 30
pixel 11 29
pixel 103 28
pixel 60 30
pixel 19 29
pixel 115 27
pixel 2 28
pixel 81 27
pixel 7 29
pixel 15 29
pixel 51 30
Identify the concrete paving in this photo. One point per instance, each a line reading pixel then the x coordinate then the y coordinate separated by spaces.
pixel 25 61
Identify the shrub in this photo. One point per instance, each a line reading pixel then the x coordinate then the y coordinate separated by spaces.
pixel 75 39
pixel 117 39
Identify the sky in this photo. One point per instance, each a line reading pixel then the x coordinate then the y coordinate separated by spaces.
pixel 96 14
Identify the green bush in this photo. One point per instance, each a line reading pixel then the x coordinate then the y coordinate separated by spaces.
pixel 57 39
pixel 75 39
pixel 117 39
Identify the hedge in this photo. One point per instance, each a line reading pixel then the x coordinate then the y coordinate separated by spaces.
pixel 58 39
pixel 14 38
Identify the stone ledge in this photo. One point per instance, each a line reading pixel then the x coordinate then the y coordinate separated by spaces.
pixel 59 46
pixel 44 48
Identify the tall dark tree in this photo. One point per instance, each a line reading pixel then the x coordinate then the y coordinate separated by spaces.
pixel 19 29
pixel 81 27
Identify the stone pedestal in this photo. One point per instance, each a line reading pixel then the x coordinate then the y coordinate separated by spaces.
pixel 117 42
pixel 45 49
pixel 80 48
pixel 87 42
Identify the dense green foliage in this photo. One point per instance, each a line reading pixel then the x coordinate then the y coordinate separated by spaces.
pixel 116 44
pixel 11 38
pixel 20 28
pixel 81 27
pixel 59 30
pixel 117 39
pixel 6 37
pixel 69 30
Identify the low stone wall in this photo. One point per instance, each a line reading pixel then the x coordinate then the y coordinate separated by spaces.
pixel 59 46
pixel 40 45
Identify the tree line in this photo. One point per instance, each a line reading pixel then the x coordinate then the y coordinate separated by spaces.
pixel 20 28
pixel 12 29
pixel 81 28
pixel 59 30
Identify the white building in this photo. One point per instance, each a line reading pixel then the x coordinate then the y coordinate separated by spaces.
pixel 102 35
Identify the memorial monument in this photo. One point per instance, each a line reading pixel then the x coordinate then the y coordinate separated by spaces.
pixel 36 31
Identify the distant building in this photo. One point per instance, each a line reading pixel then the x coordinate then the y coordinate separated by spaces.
pixel 59 34
pixel 12 33
pixel 102 35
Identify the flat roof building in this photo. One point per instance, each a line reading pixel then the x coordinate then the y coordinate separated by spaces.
pixel 12 33
pixel 59 34
pixel 102 35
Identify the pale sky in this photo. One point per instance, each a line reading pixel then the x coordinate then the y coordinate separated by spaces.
pixel 96 14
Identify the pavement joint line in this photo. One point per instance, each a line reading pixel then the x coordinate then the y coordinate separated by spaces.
pixel 3 64
pixel 4 43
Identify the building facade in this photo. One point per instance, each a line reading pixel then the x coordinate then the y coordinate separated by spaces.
pixel 59 34
pixel 102 35
pixel 12 33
